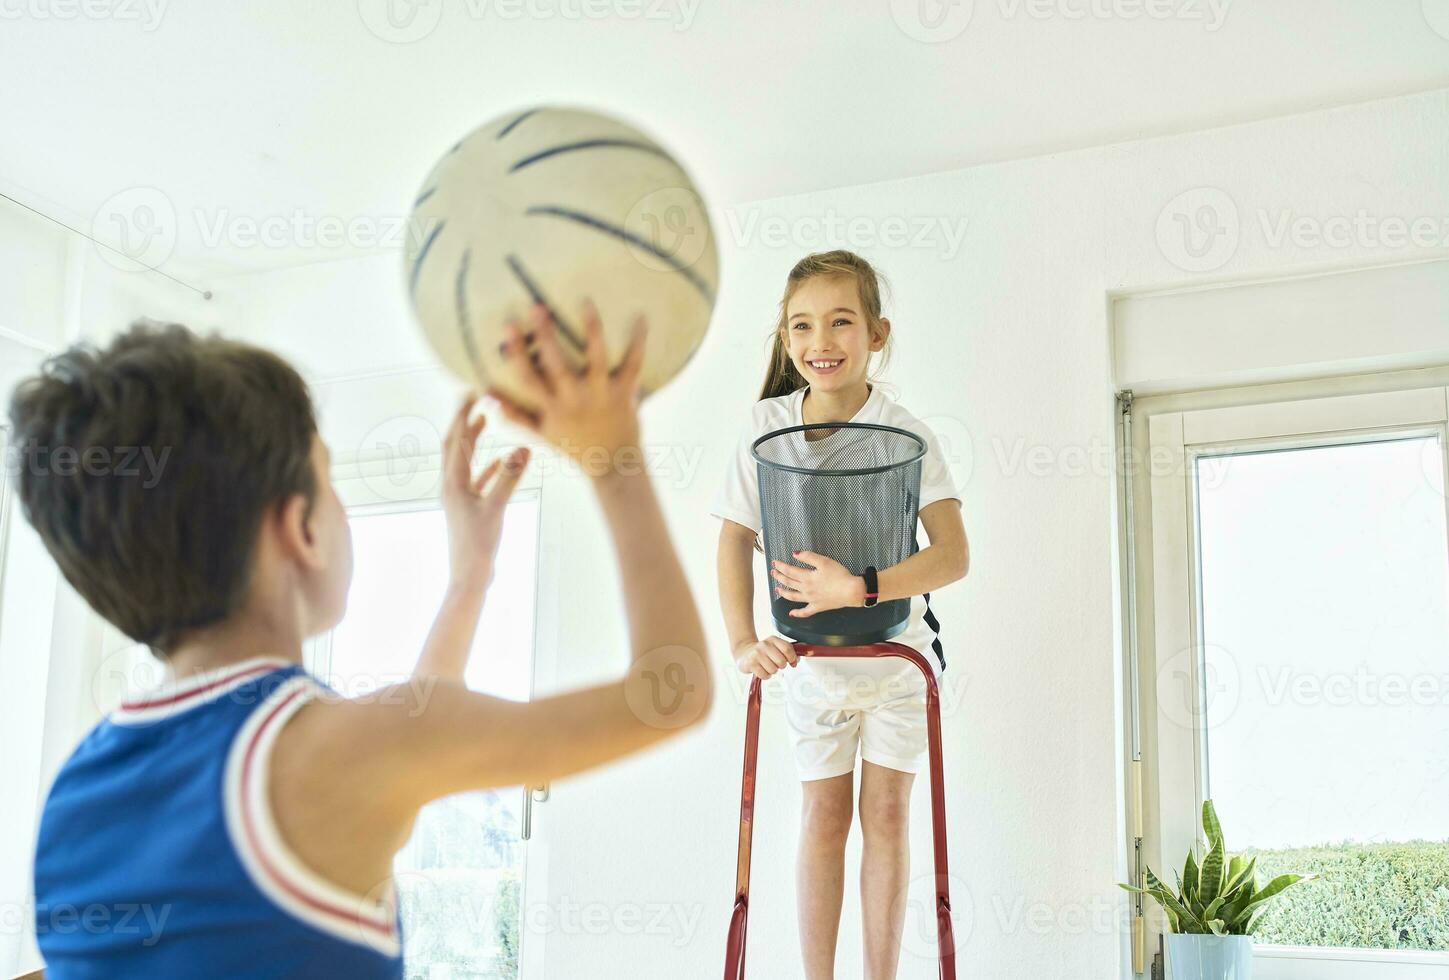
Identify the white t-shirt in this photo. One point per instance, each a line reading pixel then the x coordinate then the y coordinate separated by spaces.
pixel 738 500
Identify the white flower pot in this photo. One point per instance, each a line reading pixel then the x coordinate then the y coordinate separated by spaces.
pixel 1194 957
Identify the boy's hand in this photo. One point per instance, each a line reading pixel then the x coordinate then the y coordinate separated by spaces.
pixel 473 507
pixel 828 585
pixel 766 657
pixel 591 415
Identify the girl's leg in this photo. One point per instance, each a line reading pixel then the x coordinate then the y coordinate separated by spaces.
pixel 820 873
pixel 885 865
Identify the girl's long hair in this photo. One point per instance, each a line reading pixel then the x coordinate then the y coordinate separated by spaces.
pixel 781 378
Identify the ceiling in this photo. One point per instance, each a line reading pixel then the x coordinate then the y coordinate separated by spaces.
pixel 287 113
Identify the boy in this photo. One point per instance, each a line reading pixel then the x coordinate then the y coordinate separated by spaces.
pixel 248 812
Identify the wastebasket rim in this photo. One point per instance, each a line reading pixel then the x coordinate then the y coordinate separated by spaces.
pixel 864 471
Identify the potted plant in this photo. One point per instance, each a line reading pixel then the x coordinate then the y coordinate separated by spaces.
pixel 1214 908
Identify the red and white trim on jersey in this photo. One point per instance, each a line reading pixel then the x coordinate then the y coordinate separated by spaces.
pixel 368 920
pixel 174 698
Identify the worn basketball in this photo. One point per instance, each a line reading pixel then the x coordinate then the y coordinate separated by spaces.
pixel 556 205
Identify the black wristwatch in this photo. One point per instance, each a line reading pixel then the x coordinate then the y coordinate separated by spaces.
pixel 872 586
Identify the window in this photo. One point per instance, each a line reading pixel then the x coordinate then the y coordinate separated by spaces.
pixel 460 875
pixel 1300 644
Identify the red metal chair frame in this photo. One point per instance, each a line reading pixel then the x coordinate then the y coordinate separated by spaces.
pixel 739 921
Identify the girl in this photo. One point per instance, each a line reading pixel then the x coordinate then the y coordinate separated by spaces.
pixel 829 325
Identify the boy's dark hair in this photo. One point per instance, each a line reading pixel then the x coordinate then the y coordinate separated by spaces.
pixel 146 468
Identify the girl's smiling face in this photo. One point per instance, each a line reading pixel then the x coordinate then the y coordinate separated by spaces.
pixel 827 333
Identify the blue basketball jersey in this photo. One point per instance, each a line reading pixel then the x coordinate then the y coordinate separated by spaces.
pixel 158 856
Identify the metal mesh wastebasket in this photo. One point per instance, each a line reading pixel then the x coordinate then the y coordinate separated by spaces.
pixel 849 491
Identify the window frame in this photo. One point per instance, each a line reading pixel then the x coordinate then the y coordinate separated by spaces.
pixel 356 482
pixel 1173 624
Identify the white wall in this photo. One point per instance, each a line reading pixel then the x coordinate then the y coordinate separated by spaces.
pixel 1005 343
pixel 1004 348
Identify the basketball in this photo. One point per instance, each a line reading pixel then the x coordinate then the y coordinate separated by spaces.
pixel 556 205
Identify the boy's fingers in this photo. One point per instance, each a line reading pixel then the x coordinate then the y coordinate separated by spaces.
pixel 596 357
pixel 468 442
pixel 513 466
pixel 551 356
pixel 483 478
pixel 457 447
pixel 515 356
pixel 633 362
pixel 455 425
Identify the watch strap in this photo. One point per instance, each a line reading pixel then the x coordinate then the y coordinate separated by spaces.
pixel 872 586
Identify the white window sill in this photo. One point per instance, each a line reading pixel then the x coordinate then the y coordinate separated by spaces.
pixel 1336 963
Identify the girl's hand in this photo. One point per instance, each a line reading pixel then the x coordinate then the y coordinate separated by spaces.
pixel 474 508
pixel 765 657
pixel 827 585
pixel 592 414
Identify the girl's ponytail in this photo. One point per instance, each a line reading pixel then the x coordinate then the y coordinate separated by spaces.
pixel 781 378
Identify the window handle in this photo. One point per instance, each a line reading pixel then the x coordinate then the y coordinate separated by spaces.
pixel 531 794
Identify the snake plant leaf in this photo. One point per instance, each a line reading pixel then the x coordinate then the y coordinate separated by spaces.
pixel 1211 875
pixel 1273 888
pixel 1218 893
pixel 1240 871
pixel 1247 888
pixel 1170 902
pixel 1183 918
pixel 1235 868
pixel 1210 825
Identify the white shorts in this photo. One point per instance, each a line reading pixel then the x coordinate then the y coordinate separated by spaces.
pixel 833 708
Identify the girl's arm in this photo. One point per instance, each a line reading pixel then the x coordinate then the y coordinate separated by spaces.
pixel 737 582
pixel 737 601
pixel 830 585
pixel 945 560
